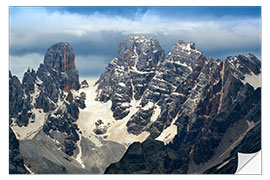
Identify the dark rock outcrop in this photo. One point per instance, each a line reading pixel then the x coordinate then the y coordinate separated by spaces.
pixel 19 100
pixel 101 128
pixel 149 157
pixel 84 84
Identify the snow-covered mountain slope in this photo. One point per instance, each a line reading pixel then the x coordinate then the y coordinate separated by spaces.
pixel 183 105
pixel 96 121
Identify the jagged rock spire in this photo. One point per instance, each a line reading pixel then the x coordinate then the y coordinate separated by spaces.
pixel 61 57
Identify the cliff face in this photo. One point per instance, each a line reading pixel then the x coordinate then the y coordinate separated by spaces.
pixel 60 56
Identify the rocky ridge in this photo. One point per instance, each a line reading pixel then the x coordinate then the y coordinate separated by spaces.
pixel 202 102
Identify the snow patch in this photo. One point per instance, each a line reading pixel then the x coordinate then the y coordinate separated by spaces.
pixel 28 169
pixel 122 84
pixel 253 79
pixel 148 106
pixel 187 47
pixel 79 155
pixel 159 88
pixel 136 57
pixel 177 94
pixel 141 72
pixel 179 63
pixel 155 114
pixel 182 64
pixel 223 164
pixel 125 104
pixel 118 130
pixel 94 111
pixel 169 133
pixel 31 129
pixel 34 95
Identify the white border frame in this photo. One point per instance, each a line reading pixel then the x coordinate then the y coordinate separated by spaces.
pixel 5 63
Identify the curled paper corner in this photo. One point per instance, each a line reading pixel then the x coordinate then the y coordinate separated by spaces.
pixel 249 163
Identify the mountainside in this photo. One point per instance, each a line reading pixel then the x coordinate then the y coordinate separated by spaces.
pixel 147 113
pixel 44 113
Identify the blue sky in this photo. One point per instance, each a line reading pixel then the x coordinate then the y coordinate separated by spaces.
pixel 95 32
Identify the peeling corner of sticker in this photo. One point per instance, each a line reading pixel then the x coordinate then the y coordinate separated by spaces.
pixel 249 163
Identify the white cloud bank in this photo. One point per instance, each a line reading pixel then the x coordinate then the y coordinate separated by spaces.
pixel 33 30
pixel 20 64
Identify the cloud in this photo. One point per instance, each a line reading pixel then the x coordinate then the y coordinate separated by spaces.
pixel 95 34
pixel 91 65
pixel 19 64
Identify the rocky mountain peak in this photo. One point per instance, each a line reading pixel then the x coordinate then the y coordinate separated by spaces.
pixel 243 66
pixel 183 47
pixel 59 65
pixel 61 57
pixel 128 74
pixel 182 44
pixel 139 52
pixel 186 54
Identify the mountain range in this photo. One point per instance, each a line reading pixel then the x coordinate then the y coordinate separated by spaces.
pixel 147 113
